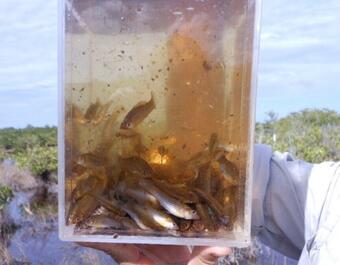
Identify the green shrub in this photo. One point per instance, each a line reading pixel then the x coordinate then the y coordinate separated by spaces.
pixel 41 161
pixel 311 135
pixel 18 140
pixel 5 196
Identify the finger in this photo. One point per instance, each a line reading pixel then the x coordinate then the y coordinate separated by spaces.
pixel 121 253
pixel 208 255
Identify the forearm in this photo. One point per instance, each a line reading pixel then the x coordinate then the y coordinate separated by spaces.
pixel 279 197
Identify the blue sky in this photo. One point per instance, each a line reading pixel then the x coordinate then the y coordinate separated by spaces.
pixel 299 62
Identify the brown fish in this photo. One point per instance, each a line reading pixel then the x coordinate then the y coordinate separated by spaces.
pixel 82 209
pixel 215 206
pixel 90 184
pixel 203 213
pixel 138 113
pixel 102 222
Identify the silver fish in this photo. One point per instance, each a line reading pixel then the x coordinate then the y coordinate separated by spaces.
pixel 141 218
pixel 180 193
pixel 172 205
pixel 138 113
pixel 137 193
pixel 159 217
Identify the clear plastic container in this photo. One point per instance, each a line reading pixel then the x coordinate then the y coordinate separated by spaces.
pixel 157 120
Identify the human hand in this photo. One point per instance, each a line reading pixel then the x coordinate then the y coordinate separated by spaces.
pixel 160 255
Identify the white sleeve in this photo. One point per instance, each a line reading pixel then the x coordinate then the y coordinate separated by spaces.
pixel 322 216
pixel 279 198
pixel 296 207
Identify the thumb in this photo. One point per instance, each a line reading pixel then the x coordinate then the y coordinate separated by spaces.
pixel 208 255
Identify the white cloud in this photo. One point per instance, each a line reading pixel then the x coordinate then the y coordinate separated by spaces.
pixel 300 56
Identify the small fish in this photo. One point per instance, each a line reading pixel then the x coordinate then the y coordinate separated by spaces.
pixel 172 205
pixel 180 193
pixel 102 222
pixel 203 212
pixel 82 209
pixel 90 184
pixel 111 205
pixel 137 193
pixel 159 217
pixel 137 166
pixel 124 220
pixel 138 113
pixel 213 204
pixel 141 218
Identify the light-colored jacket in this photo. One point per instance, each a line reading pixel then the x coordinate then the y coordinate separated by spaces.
pixel 296 207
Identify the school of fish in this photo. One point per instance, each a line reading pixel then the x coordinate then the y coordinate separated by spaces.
pixel 127 196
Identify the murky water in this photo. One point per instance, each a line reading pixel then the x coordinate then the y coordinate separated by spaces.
pixel 37 243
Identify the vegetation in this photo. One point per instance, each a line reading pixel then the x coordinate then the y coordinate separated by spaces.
pixel 31 148
pixel 5 196
pixel 42 161
pixel 311 134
